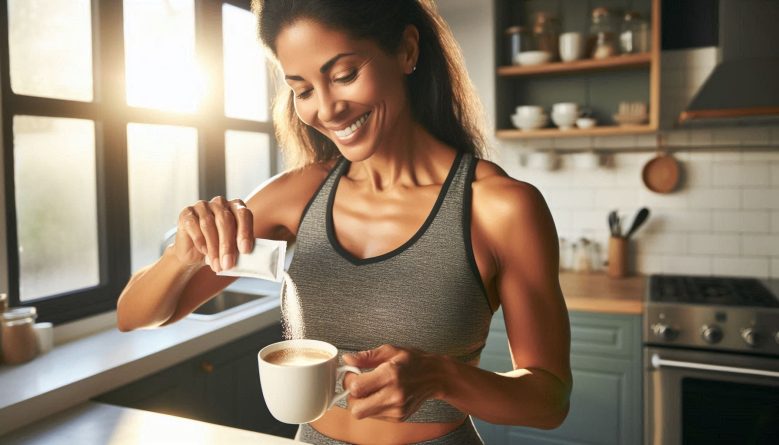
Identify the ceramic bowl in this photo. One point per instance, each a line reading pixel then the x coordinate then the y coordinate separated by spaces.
pixel 529 123
pixel 533 57
pixel 586 122
pixel 564 121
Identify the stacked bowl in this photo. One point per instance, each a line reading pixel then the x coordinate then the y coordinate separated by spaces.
pixel 529 117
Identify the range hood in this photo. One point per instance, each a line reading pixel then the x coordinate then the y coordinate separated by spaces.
pixel 744 86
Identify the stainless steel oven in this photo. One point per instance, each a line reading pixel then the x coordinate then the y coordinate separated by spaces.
pixel 711 364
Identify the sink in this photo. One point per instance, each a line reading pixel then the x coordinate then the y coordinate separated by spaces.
pixel 226 303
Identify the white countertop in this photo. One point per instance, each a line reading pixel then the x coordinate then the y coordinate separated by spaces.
pixel 74 372
pixel 99 423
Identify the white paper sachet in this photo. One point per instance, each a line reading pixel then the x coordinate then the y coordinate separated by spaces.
pixel 265 262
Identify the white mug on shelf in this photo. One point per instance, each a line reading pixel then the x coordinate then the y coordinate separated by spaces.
pixel 571 46
pixel 298 379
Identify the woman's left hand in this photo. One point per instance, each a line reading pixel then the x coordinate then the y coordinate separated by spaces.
pixel 401 380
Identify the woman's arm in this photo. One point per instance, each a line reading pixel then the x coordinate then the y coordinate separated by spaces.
pixel 520 234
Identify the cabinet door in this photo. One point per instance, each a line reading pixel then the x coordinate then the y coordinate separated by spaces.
pixel 606 397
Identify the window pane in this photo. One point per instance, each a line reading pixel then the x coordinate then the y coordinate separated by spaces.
pixel 50 46
pixel 162 69
pixel 163 179
pixel 246 93
pixel 56 217
pixel 247 162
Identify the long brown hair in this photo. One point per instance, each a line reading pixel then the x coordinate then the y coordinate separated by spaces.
pixel 441 95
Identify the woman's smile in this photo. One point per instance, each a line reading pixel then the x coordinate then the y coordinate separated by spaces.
pixel 349 132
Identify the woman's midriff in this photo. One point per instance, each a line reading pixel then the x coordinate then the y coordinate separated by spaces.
pixel 338 423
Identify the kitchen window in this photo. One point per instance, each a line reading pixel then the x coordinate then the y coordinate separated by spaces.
pixel 116 115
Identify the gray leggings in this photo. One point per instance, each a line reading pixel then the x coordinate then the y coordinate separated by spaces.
pixel 465 434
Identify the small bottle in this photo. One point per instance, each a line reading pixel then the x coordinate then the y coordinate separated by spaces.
pixel 602 43
pixel 19 340
pixel 634 34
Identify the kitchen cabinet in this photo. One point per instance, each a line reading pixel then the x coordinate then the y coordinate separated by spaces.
pixel 599 85
pixel 606 400
pixel 221 386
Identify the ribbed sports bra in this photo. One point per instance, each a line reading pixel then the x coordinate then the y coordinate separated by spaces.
pixel 426 294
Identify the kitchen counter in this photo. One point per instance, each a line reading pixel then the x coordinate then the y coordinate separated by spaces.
pixel 74 372
pixel 99 423
pixel 597 292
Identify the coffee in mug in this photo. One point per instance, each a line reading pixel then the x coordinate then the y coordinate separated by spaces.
pixel 298 379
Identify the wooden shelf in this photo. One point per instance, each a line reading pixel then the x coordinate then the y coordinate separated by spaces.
pixel 627 61
pixel 606 130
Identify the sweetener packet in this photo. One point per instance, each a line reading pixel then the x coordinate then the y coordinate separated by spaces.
pixel 266 261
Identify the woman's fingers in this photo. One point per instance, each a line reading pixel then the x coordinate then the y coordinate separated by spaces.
pixel 189 230
pixel 207 224
pixel 245 221
pixel 226 232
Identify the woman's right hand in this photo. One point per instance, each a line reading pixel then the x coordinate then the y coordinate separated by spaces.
pixel 215 229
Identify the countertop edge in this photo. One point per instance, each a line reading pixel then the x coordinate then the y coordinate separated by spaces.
pixel 19 413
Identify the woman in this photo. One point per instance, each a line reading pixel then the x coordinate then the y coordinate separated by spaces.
pixel 406 242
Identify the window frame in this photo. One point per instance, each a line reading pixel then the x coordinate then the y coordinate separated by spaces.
pixel 111 115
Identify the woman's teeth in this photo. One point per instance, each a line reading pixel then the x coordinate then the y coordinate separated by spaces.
pixel 348 131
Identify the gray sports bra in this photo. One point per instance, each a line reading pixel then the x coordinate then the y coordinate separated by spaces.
pixel 426 294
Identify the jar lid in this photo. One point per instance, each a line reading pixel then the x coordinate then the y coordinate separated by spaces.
pixel 632 15
pixel 20 313
pixel 600 12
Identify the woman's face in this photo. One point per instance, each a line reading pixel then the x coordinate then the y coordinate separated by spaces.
pixel 349 90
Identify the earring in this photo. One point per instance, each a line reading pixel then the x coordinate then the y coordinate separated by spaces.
pixel 414 69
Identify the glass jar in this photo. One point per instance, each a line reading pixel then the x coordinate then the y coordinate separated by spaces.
pixel 546 34
pixel 19 341
pixel 634 34
pixel 603 34
pixel 518 39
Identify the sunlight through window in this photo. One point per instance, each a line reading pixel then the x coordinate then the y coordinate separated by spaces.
pixel 245 75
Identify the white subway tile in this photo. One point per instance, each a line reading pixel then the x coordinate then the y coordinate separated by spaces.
pixel 570 198
pixel 679 138
pixel 726 155
pixel 726 174
pixel 662 243
pixel 761 155
pixel 674 220
pixel 649 140
pixel 774 267
pixel 563 219
pixel 760 198
pixel 715 198
pixel 756 174
pixel 598 178
pixel 701 156
pixel 609 198
pixel 678 200
pixel 688 264
pixel 698 174
pixel 706 244
pixel 649 264
pixel 741 266
pixel 775 221
pixel 760 245
pixel 590 220
pixel 628 176
pixel 728 136
pixel 741 221
pixel 573 143
pixel 775 174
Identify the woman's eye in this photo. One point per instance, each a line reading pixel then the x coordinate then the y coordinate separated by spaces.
pixel 347 78
pixel 304 94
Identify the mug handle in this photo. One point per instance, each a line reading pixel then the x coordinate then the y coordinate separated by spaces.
pixel 340 373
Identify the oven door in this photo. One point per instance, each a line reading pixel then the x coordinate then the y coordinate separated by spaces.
pixel 698 397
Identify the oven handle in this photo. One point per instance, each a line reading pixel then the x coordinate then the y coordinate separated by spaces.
pixel 658 362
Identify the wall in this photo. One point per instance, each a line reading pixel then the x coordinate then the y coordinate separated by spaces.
pixel 724 219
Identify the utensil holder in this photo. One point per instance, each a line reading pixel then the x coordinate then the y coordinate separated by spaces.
pixel 618 257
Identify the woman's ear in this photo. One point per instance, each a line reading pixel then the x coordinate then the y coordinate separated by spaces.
pixel 409 49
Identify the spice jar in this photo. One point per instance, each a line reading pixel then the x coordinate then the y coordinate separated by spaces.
pixel 518 39
pixel 546 33
pixel 603 34
pixel 19 341
pixel 634 34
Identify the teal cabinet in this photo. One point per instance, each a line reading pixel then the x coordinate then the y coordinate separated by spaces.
pixel 607 393
pixel 220 386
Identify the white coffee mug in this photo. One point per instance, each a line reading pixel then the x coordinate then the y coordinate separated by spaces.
pixel 571 46
pixel 301 392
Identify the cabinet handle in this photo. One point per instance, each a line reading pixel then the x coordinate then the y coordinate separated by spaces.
pixel 658 362
pixel 207 367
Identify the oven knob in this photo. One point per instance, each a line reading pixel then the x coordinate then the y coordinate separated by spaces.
pixel 711 334
pixel 663 331
pixel 749 335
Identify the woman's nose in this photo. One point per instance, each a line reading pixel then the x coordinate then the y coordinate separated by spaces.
pixel 330 107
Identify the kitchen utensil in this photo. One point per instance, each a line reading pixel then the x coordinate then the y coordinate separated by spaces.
pixel 614 223
pixel 641 217
pixel 661 173
pixel 618 264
